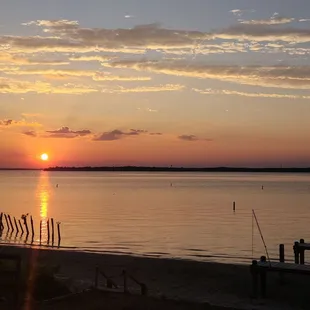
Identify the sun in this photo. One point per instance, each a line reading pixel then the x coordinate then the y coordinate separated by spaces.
pixel 44 157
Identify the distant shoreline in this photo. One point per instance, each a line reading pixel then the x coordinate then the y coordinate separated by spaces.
pixel 180 169
pixel 166 169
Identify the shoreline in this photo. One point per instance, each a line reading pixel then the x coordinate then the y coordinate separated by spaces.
pixel 219 284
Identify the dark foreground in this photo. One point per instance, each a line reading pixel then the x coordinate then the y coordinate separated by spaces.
pixel 172 284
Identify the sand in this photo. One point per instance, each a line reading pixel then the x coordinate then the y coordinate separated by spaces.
pixel 224 285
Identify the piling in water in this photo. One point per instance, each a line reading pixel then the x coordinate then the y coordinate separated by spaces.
pixel 24 217
pixel 7 222
pixel 58 229
pixel 281 253
pixel 16 225
pixel 21 226
pixel 48 231
pixel 40 231
pixel 234 206
pixel 52 222
pixel 9 217
pixel 1 224
pixel 32 229
pixel 302 253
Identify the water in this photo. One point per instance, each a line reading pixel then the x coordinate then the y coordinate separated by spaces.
pixel 142 214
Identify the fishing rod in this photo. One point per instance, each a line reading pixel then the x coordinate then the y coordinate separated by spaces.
pixel 261 235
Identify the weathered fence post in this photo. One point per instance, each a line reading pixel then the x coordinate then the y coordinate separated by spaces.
pixel 40 231
pixel 9 217
pixel 281 253
pixel 302 252
pixel 7 222
pixel 1 224
pixel 48 231
pixel 32 228
pixel 21 226
pixel 296 252
pixel 58 230
pixel 16 225
pixel 52 222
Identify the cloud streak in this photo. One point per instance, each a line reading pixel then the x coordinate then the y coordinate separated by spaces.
pixel 296 77
pixel 66 132
pixel 274 20
pixel 117 134
pixel 210 91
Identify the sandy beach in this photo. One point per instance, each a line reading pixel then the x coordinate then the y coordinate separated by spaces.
pixel 224 285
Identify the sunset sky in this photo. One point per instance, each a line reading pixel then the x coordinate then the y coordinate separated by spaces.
pixel 145 82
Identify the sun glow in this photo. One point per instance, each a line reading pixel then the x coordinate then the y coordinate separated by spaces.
pixel 44 157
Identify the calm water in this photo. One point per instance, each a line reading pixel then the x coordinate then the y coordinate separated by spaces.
pixel 142 214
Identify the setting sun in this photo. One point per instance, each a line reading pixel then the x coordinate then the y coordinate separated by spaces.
pixel 44 157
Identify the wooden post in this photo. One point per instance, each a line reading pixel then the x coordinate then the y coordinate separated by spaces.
pixel 281 253
pixel 52 222
pixel 40 231
pixel 1 225
pixel 58 230
pixel 302 253
pixel 234 206
pixel 32 229
pixel 21 227
pixel 16 225
pixel 24 217
pixel 7 222
pixel 253 269
pixel 125 282
pixel 9 217
pixel 296 252
pixel 48 231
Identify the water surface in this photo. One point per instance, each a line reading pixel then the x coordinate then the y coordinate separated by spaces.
pixel 180 215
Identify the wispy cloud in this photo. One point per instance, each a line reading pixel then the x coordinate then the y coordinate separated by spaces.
pixel 117 134
pixel 30 133
pixel 274 20
pixel 278 76
pixel 191 138
pixel 146 89
pixel 304 20
pixel 240 12
pixel 210 91
pixel 8 58
pixel 11 86
pixel 19 123
pixel 124 78
pixel 66 132
pixel 100 58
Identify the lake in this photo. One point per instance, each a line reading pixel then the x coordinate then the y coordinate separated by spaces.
pixel 178 215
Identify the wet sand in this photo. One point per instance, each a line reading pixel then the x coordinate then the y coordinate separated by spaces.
pixel 225 285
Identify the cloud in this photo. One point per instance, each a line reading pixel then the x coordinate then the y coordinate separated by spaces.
pixel 210 91
pixel 191 138
pixel 274 20
pixel 110 77
pixel 11 86
pixel 239 12
pixel 117 134
pixel 30 133
pixel 19 123
pixel 64 74
pixel 304 20
pixel 21 60
pixel 296 77
pixel 69 36
pixel 100 58
pixel 66 132
pixel 146 89
pixel 259 32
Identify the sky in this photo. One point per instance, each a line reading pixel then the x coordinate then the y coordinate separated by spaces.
pixel 197 83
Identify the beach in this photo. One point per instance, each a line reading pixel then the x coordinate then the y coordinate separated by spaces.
pixel 218 284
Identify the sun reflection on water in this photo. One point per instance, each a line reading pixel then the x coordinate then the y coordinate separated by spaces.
pixel 43 195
